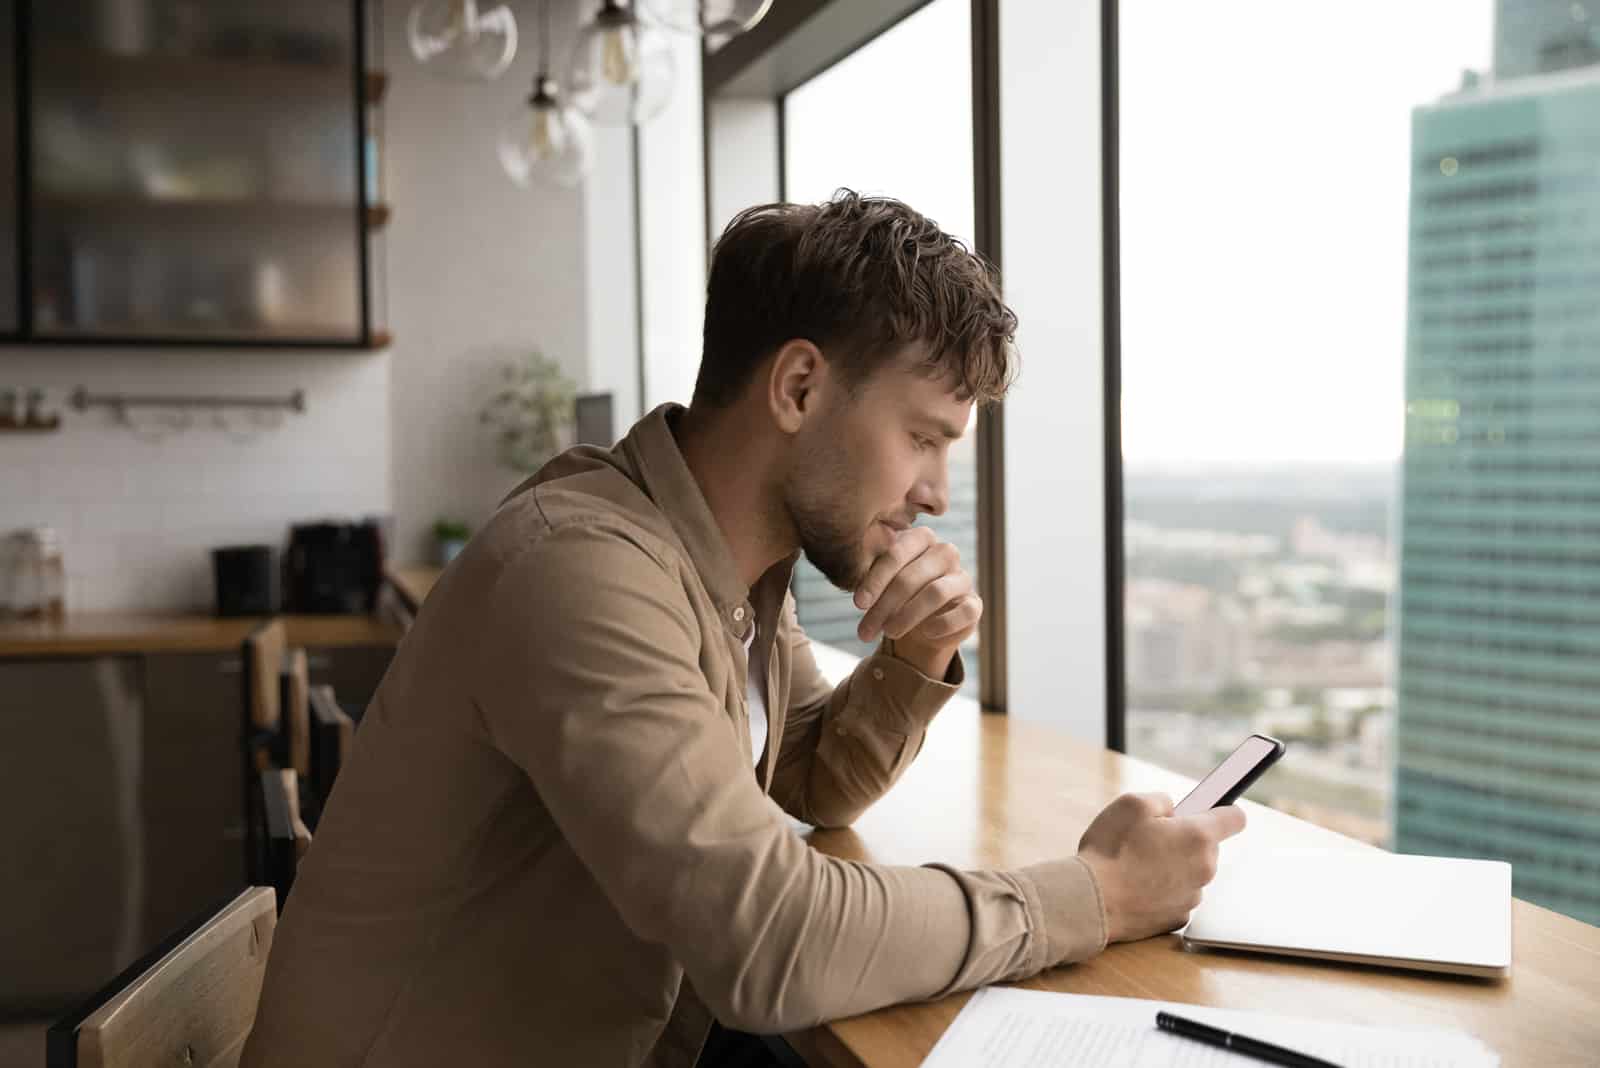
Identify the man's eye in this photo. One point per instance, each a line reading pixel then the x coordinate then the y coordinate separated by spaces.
pixel 922 442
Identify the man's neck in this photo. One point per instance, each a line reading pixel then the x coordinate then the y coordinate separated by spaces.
pixel 728 460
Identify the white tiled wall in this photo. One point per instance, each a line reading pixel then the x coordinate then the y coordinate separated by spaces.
pixel 138 510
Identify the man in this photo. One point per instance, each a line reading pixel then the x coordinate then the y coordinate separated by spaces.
pixel 565 834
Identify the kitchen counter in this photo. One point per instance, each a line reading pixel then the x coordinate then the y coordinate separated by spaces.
pixel 95 634
pixel 413 582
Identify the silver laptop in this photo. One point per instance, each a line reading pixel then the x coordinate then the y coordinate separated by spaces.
pixel 1364 906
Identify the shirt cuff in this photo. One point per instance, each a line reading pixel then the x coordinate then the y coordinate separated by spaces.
pixel 1072 914
pixel 900 697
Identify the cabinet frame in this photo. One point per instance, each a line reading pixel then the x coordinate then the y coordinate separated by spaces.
pixel 25 335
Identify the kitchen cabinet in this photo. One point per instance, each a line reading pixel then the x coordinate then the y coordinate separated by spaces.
pixel 121 775
pixel 194 172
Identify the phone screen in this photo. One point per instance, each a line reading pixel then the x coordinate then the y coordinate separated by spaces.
pixel 1254 755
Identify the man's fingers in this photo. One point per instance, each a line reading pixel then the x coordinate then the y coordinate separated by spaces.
pixel 907 547
pixel 927 602
pixel 957 618
pixel 904 585
pixel 1157 804
pixel 1222 822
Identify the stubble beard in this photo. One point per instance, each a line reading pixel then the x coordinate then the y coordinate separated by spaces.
pixel 818 502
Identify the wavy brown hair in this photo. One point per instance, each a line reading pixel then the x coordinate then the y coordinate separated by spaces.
pixel 861 278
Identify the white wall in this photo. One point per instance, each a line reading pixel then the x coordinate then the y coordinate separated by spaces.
pixel 672 220
pixel 480 272
pixel 609 252
pixel 137 513
pixel 1054 451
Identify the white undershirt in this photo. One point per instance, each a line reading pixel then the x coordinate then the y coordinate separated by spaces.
pixel 755 690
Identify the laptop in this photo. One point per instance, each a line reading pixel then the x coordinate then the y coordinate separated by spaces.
pixel 1438 914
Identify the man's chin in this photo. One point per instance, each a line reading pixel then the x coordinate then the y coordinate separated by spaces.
pixel 842 575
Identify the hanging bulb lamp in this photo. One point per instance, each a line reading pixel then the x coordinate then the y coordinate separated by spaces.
pixel 546 140
pixel 454 39
pixel 709 17
pixel 622 67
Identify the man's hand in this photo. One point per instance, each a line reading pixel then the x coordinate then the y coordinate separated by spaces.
pixel 1151 864
pixel 918 594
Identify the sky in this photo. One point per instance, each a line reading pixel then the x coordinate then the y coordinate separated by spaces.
pixel 1265 177
pixel 1265 148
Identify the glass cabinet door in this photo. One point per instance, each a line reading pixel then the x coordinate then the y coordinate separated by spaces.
pixel 194 171
pixel 9 243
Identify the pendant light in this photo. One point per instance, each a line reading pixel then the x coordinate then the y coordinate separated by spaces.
pixel 545 140
pixel 622 67
pixel 454 39
pixel 709 17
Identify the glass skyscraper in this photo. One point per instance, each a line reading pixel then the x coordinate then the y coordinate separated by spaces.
pixel 1498 749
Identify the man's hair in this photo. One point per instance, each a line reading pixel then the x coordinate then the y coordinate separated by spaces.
pixel 859 277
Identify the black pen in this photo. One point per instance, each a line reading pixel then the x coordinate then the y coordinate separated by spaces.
pixel 1250 1047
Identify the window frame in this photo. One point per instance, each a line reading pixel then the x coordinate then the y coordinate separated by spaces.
pixel 800 39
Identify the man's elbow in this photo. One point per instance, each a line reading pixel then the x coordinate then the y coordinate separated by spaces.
pixel 761 1010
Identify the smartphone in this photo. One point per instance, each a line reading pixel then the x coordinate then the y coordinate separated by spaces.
pixel 1233 776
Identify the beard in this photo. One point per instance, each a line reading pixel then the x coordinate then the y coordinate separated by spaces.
pixel 816 497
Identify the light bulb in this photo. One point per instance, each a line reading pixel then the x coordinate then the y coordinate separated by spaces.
pixel 454 39
pixel 617 49
pixel 622 68
pixel 721 17
pixel 545 140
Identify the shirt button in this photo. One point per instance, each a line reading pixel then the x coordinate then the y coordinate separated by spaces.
pixel 738 614
pixel 841 729
pixel 877 673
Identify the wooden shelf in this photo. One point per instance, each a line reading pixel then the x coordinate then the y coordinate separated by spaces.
pixel 82 70
pixel 232 208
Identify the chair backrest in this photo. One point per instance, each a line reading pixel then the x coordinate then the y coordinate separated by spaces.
pixel 260 731
pixel 191 1001
pixel 277 837
pixel 264 648
pixel 296 702
pixel 333 733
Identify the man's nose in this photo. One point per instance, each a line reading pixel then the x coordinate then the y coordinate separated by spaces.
pixel 932 495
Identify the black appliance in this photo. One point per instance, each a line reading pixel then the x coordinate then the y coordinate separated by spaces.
pixel 246 580
pixel 333 567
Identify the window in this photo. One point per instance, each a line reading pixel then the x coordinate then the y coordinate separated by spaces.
pixel 1360 364
pixel 916 79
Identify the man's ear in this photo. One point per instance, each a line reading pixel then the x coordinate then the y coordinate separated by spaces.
pixel 794 384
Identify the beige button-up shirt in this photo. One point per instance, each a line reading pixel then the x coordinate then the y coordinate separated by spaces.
pixel 549 847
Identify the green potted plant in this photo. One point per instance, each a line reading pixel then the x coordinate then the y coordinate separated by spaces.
pixel 449 538
pixel 532 414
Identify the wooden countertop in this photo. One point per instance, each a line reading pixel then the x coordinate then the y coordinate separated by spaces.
pixel 108 635
pixel 413 582
pixel 998 792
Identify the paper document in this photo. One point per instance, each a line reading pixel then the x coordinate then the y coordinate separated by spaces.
pixel 1002 1027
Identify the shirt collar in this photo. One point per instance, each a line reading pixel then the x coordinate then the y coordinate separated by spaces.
pixel 666 478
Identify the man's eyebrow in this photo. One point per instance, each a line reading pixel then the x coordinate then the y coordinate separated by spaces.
pixel 949 430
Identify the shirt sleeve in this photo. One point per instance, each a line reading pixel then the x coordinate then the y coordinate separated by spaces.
pixel 589 680
pixel 844 746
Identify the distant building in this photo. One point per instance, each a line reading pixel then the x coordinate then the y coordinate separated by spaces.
pixel 1541 36
pixel 1498 723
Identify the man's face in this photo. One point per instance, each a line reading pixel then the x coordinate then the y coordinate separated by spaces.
pixel 870 464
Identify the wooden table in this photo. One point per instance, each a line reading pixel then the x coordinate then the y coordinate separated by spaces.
pixel 413 581
pixel 992 791
pixel 110 634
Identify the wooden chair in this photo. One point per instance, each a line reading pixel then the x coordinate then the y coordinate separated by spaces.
pixel 333 733
pixel 278 838
pixel 191 1001
pixel 296 702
